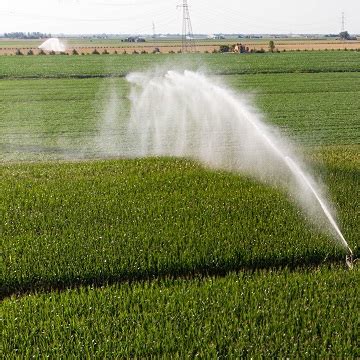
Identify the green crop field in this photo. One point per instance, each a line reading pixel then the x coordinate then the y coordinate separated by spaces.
pixel 120 65
pixel 302 314
pixel 159 257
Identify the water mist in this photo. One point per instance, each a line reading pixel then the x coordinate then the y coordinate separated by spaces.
pixel 189 115
pixel 53 44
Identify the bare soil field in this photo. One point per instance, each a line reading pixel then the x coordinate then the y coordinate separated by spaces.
pixel 85 47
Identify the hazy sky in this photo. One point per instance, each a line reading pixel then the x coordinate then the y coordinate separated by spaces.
pixel 207 16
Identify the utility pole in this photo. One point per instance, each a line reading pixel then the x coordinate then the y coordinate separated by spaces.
pixel 188 41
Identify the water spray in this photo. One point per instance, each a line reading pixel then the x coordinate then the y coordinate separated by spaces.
pixel 186 114
pixel 53 44
pixel 297 171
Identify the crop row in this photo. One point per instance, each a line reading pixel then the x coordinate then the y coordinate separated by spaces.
pixel 112 65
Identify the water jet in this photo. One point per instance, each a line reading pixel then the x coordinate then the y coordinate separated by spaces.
pixel 188 114
pixel 53 44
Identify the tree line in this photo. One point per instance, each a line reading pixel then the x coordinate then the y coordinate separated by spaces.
pixel 28 35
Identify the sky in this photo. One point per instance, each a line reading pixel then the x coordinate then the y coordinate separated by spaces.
pixel 207 16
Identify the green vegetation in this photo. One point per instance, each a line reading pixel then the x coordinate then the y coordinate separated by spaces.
pixel 313 109
pixel 95 222
pixel 64 116
pixel 162 257
pixel 272 314
pixel 116 65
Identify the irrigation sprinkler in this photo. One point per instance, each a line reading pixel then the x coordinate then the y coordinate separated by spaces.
pixel 349 259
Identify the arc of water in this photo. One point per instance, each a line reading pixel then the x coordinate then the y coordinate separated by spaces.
pixel 296 170
pixel 176 85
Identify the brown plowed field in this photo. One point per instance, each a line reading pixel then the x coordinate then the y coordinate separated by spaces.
pixel 202 46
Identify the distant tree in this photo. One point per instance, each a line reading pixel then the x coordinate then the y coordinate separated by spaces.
pixel 74 52
pixel 95 52
pixel 271 46
pixel 224 48
pixel 18 52
pixel 30 52
pixel 22 35
pixel 344 35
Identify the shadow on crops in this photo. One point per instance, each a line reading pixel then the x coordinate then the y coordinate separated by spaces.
pixel 214 268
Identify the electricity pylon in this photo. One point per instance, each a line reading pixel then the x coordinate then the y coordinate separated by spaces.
pixel 188 41
pixel 342 22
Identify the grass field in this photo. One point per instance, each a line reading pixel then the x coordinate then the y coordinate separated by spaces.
pixel 161 257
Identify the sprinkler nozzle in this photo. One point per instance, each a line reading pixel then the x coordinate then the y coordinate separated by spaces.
pixel 349 259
